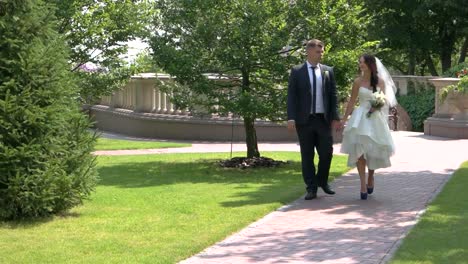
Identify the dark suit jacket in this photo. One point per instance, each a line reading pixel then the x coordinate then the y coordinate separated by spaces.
pixel 300 94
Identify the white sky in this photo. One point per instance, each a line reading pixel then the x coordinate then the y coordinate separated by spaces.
pixel 135 47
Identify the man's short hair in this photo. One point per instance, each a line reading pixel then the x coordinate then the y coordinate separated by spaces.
pixel 314 43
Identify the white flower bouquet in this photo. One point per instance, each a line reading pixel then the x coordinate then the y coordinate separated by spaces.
pixel 377 102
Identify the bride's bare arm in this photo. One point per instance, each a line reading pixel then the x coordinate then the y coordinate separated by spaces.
pixel 352 100
pixel 381 85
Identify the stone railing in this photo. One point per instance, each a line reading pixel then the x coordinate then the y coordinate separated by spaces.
pixel 142 109
pixel 142 95
pixel 402 81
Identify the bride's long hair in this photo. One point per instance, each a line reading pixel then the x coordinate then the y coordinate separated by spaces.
pixel 369 60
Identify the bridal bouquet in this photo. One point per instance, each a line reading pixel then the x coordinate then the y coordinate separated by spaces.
pixel 377 102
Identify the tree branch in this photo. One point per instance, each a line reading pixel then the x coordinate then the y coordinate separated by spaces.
pixel 463 51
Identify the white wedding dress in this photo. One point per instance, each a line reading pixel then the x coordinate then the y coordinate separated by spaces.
pixel 368 136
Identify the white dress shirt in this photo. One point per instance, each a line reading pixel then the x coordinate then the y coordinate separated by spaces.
pixel 319 92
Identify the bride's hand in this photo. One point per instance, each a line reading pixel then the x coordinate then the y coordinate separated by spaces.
pixel 342 124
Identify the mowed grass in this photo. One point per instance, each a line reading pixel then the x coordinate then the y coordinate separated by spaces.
pixel 157 209
pixel 120 144
pixel 441 235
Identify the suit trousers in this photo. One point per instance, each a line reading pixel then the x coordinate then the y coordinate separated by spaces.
pixel 315 135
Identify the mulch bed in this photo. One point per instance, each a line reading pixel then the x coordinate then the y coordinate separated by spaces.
pixel 245 163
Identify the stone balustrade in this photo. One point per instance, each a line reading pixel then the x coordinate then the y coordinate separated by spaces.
pixel 142 95
pixel 402 82
pixel 142 109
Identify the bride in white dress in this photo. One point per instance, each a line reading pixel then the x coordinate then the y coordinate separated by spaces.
pixel 366 137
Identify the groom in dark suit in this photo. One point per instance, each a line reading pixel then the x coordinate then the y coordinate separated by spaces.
pixel 312 112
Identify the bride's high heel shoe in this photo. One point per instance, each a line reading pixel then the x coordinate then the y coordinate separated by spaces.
pixel 370 190
pixel 363 196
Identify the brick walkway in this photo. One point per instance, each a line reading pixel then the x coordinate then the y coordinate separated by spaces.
pixel 342 228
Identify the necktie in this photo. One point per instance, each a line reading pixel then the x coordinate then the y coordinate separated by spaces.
pixel 314 89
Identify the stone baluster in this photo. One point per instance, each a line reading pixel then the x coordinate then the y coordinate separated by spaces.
pixel 163 101
pixel 157 100
pixel 106 100
pixel 169 105
pixel 144 95
pixel 139 96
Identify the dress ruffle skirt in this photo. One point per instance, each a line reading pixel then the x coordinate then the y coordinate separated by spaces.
pixel 368 137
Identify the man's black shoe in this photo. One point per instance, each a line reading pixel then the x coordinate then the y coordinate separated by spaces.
pixel 327 189
pixel 310 195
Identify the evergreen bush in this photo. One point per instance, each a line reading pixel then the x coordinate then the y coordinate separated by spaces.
pixel 46 165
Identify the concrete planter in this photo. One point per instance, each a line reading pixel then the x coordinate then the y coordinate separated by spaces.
pixel 451 117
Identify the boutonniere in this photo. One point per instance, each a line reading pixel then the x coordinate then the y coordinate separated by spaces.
pixel 327 74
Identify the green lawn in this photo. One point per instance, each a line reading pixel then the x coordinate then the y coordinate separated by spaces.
pixel 117 144
pixel 441 235
pixel 157 209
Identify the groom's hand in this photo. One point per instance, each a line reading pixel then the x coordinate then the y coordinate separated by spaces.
pixel 291 126
pixel 336 124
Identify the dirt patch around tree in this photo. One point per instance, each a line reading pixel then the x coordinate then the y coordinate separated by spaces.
pixel 245 163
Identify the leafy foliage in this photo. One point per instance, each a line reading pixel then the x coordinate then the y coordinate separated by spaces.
pixel 458 70
pixel 423 35
pixel 342 25
pixel 102 82
pixel 419 103
pixel 144 63
pixel 241 43
pixel 96 32
pixel 238 41
pixel 457 89
pixel 45 161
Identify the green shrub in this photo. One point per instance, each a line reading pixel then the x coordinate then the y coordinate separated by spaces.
pixel 462 86
pixel 46 165
pixel 419 103
pixel 456 69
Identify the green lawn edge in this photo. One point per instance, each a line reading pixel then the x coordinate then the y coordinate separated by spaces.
pixel 121 144
pixel 441 234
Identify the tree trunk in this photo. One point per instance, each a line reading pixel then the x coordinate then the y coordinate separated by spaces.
pixel 422 69
pixel 463 51
pixel 430 63
pixel 249 122
pixel 446 59
pixel 412 63
pixel 251 138
pixel 448 38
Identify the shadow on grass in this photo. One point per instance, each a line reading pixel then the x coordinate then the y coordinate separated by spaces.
pixel 158 173
pixel 282 184
pixel 155 173
pixel 34 222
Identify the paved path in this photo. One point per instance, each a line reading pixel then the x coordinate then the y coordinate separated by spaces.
pixel 199 147
pixel 343 228
pixel 205 148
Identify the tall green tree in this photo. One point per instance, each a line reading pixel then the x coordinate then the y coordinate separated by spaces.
pixel 46 165
pixel 430 33
pixel 237 41
pixel 342 25
pixel 244 45
pixel 97 32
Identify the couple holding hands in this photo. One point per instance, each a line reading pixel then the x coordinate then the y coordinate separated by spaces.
pixel 313 113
